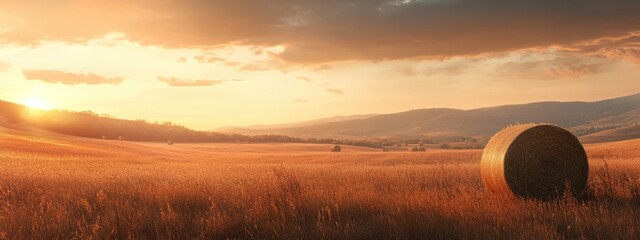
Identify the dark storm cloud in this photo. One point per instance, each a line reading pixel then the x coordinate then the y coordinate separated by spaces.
pixel 319 31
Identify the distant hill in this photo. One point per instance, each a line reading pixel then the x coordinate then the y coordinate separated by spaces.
pixel 617 134
pixel 256 129
pixel 576 116
pixel 92 125
pixel 599 121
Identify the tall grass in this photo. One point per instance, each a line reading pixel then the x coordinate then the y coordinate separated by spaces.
pixel 169 193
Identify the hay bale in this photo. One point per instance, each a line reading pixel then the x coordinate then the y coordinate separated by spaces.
pixel 418 149
pixel 534 161
pixel 336 148
pixel 121 138
pixel 104 137
pixel 170 142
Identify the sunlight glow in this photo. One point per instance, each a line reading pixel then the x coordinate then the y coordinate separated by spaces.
pixel 37 103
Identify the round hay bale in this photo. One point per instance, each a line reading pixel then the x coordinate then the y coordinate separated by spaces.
pixel 170 142
pixel 121 138
pixel 104 137
pixel 336 148
pixel 534 161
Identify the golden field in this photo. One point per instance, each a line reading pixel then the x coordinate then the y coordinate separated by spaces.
pixel 58 187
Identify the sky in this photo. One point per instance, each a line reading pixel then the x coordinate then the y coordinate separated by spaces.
pixel 207 64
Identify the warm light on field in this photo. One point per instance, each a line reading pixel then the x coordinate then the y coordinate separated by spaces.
pixel 38 103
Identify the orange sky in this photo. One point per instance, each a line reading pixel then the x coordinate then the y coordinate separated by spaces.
pixel 209 64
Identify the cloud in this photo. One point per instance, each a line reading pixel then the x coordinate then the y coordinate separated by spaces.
pixel 449 68
pixel 300 100
pixel 322 67
pixel 523 65
pixel 256 67
pixel 551 66
pixel 334 91
pixel 4 66
pixel 267 65
pixel 306 79
pixel 626 47
pixel 54 76
pixel 317 32
pixel 208 59
pixel 631 54
pixel 574 70
pixel 175 82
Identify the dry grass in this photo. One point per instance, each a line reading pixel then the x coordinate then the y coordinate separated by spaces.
pixel 63 188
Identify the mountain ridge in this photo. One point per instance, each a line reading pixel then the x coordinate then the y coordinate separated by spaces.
pixel 574 115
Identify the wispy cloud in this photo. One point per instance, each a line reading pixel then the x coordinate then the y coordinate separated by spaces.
pixel 322 67
pixel 175 82
pixel 334 91
pixel 209 59
pixel 55 76
pixel 306 79
pixel 625 47
pixel 574 70
pixel 4 66
pixel 555 66
pixel 266 65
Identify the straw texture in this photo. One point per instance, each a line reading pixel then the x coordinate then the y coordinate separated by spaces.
pixel 535 161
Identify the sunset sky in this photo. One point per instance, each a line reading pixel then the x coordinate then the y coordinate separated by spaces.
pixel 209 64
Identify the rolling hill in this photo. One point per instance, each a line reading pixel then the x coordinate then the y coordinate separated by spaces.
pixel 600 121
pixel 262 127
pixel 612 135
pixel 91 125
pixel 575 116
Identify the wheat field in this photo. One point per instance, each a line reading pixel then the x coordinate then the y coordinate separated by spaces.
pixel 58 187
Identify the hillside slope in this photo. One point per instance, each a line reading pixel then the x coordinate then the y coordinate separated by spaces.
pixel 613 135
pixel 475 122
pixel 92 125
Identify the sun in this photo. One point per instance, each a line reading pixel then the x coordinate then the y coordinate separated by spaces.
pixel 38 103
